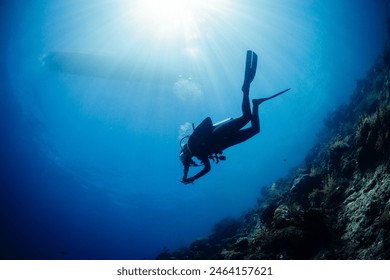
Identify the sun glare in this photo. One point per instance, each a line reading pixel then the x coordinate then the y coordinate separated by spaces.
pixel 168 17
pixel 179 36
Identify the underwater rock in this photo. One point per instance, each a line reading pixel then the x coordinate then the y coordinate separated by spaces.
pixel 267 213
pixel 241 245
pixel 364 212
pixel 224 229
pixel 303 185
pixel 373 137
pixel 283 217
pixel 384 220
pixel 288 243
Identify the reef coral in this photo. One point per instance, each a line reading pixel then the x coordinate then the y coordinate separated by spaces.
pixel 336 205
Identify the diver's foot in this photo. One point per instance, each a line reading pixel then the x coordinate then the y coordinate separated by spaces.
pixel 257 102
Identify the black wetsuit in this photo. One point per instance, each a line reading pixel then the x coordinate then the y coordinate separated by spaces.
pixel 207 139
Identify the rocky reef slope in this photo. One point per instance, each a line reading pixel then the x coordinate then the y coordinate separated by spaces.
pixel 336 205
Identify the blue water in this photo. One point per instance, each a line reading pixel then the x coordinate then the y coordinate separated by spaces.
pixel 89 164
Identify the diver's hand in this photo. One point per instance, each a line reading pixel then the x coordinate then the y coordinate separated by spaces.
pixel 187 181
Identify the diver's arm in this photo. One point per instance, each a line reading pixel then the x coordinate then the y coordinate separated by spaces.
pixel 186 168
pixel 204 171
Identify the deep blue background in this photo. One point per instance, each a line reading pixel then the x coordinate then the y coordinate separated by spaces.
pixel 89 165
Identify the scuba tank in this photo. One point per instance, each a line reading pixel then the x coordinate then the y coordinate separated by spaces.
pixel 197 141
pixel 223 121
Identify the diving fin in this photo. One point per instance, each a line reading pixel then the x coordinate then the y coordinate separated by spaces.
pixel 250 69
pixel 273 96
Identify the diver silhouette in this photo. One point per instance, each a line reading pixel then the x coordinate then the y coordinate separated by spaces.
pixel 208 140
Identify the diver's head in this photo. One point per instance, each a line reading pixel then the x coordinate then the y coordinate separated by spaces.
pixel 185 155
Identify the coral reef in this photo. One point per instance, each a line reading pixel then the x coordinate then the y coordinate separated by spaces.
pixel 336 205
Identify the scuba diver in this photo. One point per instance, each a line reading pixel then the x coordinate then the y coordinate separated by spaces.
pixel 208 140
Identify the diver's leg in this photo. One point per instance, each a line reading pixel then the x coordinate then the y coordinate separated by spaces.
pixel 245 106
pixel 234 125
pixel 246 133
pixel 255 118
